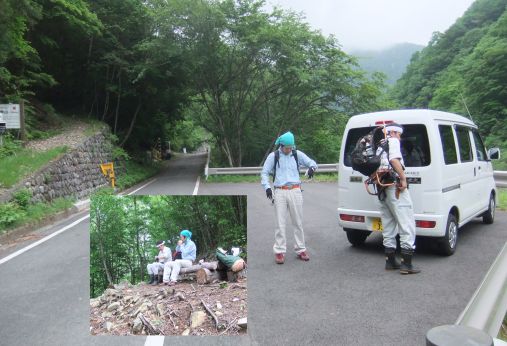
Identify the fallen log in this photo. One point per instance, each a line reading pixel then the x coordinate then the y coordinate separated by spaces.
pixel 205 276
pixel 196 267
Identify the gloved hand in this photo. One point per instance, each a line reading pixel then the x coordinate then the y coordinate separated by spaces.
pixel 310 172
pixel 269 193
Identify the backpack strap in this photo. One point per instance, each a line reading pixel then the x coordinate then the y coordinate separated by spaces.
pixel 277 161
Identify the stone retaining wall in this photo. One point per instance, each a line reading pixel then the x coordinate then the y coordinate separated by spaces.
pixel 75 174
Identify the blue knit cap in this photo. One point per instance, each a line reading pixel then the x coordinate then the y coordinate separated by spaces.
pixel 286 139
pixel 186 233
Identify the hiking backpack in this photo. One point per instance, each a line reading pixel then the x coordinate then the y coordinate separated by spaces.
pixel 364 157
pixel 277 163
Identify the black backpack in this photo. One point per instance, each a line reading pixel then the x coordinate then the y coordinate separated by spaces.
pixel 277 159
pixel 364 157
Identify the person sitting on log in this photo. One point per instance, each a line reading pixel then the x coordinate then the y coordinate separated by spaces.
pixel 188 252
pixel 163 257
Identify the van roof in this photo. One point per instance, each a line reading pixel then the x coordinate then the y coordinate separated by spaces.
pixel 406 116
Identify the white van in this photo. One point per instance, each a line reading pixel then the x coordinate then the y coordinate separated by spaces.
pixel 449 173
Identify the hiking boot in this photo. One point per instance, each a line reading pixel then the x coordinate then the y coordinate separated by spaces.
pixel 391 262
pixel 303 256
pixel 160 278
pixel 152 278
pixel 406 262
pixel 279 258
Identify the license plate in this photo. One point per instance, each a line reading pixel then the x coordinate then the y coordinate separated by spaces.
pixel 376 225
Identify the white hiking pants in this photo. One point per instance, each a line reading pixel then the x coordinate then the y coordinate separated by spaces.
pixel 172 269
pixel 289 201
pixel 398 216
pixel 153 268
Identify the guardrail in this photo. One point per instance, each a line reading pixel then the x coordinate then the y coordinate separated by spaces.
pixel 486 310
pixel 500 176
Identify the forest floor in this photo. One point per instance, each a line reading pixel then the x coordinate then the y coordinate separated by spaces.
pixel 171 310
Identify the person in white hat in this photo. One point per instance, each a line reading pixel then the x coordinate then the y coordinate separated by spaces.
pixel 396 206
pixel 164 256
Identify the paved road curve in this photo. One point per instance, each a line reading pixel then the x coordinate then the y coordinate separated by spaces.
pixel 341 297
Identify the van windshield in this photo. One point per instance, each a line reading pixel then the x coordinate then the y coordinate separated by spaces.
pixel 415 147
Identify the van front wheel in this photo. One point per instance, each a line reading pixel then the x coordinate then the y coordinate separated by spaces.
pixel 356 237
pixel 489 215
pixel 450 240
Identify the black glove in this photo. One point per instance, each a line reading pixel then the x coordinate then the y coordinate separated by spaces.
pixel 311 172
pixel 269 193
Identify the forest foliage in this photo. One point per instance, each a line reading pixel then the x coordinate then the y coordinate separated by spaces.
pixel 125 229
pixel 465 67
pixel 226 71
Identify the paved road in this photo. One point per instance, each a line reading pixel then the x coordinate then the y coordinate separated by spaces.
pixel 342 296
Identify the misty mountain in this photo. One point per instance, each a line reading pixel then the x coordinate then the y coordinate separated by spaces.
pixel 392 61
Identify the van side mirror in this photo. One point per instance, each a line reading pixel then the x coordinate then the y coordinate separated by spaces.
pixel 494 154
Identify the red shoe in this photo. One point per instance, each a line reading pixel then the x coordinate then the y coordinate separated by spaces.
pixel 279 258
pixel 303 256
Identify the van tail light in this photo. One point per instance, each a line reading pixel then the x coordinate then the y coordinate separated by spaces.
pixel 425 224
pixel 352 218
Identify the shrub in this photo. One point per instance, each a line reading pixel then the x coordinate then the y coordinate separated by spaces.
pixel 10 213
pixel 22 198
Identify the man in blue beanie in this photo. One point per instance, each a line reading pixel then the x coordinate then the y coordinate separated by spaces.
pixel 284 165
pixel 188 252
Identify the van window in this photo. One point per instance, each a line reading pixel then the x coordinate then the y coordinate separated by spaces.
pixel 448 145
pixel 479 146
pixel 465 148
pixel 414 144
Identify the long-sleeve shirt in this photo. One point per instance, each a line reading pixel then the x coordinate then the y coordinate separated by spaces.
pixel 165 255
pixel 288 172
pixel 188 250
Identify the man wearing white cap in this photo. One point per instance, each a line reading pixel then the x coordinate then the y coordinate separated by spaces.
pixel 396 206
pixel 164 255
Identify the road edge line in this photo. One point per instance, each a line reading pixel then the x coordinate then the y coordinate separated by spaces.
pixel 196 188
pixel 40 241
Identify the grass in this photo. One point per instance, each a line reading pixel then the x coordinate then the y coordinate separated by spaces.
pixel 16 167
pixel 502 199
pixel 255 178
pixel 134 173
pixel 35 212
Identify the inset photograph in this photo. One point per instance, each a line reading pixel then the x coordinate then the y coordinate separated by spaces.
pixel 168 265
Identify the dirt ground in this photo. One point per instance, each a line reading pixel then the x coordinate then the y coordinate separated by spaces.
pixel 170 310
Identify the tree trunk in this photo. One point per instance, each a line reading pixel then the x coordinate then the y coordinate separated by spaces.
pixel 117 103
pixel 102 253
pixel 131 124
pixel 206 276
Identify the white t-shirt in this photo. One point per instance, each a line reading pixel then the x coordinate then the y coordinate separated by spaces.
pixel 394 153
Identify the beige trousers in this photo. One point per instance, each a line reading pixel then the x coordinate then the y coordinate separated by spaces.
pixel 173 268
pixel 289 202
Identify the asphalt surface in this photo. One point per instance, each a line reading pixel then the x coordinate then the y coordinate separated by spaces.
pixel 342 296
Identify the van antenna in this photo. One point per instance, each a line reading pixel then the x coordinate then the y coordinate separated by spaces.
pixel 466 107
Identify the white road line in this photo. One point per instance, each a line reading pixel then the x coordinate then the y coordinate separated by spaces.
pixel 196 188
pixel 142 187
pixel 154 340
pixel 31 246
pixel 19 252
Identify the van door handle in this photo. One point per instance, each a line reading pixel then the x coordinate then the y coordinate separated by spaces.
pixel 475 172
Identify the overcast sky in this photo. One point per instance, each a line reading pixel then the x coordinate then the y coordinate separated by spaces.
pixel 376 24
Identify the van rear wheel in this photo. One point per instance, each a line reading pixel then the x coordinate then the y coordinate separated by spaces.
pixel 450 240
pixel 489 215
pixel 356 237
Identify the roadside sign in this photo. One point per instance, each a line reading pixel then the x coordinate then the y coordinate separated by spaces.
pixel 11 115
pixel 108 171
